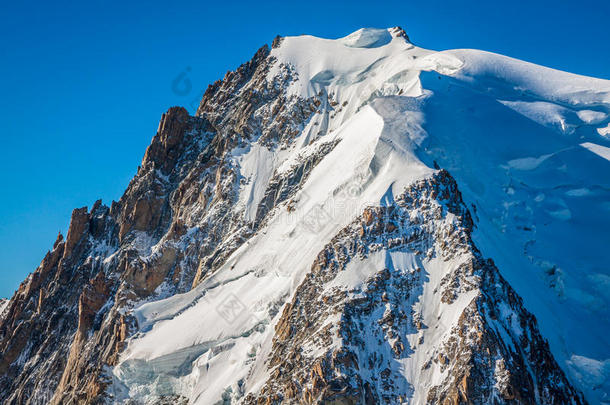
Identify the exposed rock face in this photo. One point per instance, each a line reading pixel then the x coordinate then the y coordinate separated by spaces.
pixel 38 328
pixel 167 146
pixel 285 185
pixel 346 346
pixel 401 286
pixel 68 322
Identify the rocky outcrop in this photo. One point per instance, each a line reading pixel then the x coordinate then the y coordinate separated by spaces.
pixel 283 186
pixel 245 105
pixel 348 345
pixel 167 145
pixel 44 314
pixel 79 225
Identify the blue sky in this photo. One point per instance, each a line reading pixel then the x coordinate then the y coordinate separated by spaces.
pixel 83 86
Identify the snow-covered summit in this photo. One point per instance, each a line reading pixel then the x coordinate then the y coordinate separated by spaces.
pixel 372 37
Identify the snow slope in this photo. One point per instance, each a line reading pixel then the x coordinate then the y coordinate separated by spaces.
pixel 3 304
pixel 527 145
pixel 536 172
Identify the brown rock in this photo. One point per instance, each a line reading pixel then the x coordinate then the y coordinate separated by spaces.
pixel 164 149
pixel 79 224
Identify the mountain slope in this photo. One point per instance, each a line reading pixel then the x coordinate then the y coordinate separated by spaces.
pixel 3 304
pixel 402 288
pixel 296 241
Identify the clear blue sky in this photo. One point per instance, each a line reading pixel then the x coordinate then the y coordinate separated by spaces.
pixel 83 87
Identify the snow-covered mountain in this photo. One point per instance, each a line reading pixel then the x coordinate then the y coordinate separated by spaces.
pixel 346 221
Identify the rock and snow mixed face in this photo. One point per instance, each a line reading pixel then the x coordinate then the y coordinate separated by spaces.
pixel 526 146
pixel 3 304
pixel 296 241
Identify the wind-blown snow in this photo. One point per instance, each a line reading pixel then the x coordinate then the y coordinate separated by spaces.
pixel 523 143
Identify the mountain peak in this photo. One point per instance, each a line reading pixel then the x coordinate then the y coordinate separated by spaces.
pixel 298 241
pixel 370 37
